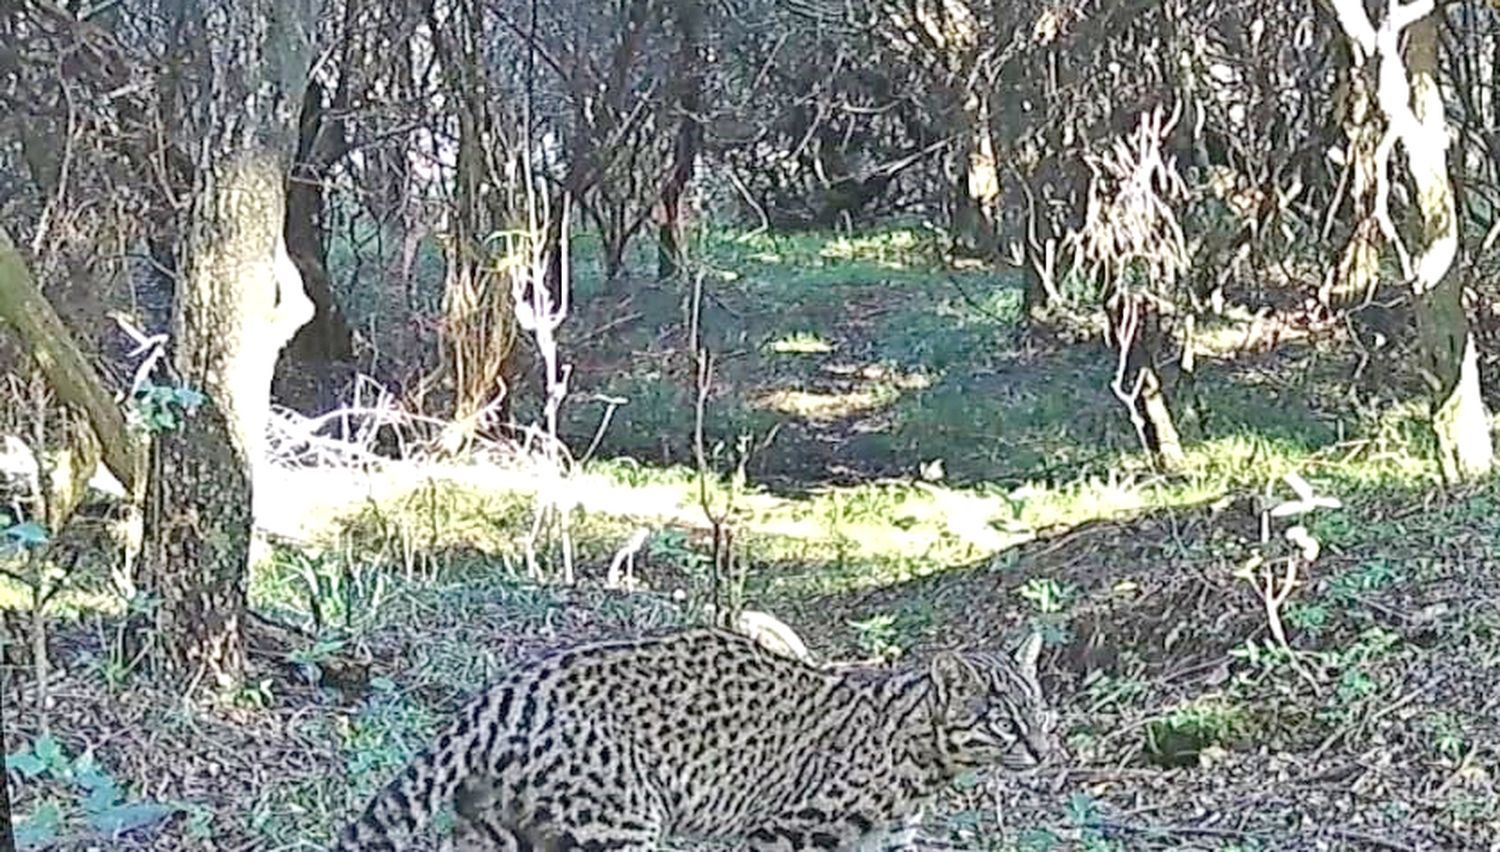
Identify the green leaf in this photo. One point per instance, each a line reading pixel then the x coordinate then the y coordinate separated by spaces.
pixel 29 534
pixel 120 819
pixel 40 828
pixel 101 797
pixel 86 765
pixel 1038 840
pixel 50 751
pixel 26 763
pixel 382 684
pixel 93 779
pixel 187 398
pixel 967 781
pixel 1081 810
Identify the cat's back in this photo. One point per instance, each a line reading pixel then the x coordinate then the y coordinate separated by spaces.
pixel 690 677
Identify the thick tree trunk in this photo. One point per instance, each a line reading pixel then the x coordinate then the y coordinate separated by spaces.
pixel 1411 99
pixel 1450 361
pixel 198 523
pixel 239 300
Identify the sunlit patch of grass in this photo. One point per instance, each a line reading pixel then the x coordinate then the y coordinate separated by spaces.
pixel 860 536
pixel 805 266
pixel 67 604
pixel 801 343
pixel 829 406
pixel 896 248
pixel 1238 329
pixel 927 369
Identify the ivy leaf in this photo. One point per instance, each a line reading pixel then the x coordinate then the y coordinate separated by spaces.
pixel 50 752
pixel 85 766
pixel 25 763
pixel 102 797
pixel 91 777
pixel 29 534
pixel 40 828
pixel 121 819
pixel 188 398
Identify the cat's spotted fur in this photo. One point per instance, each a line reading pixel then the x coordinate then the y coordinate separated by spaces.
pixel 706 734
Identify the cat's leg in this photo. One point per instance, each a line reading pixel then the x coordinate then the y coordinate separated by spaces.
pixel 897 837
pixel 807 831
pixel 483 835
pixel 605 823
pixel 798 833
pixel 478 824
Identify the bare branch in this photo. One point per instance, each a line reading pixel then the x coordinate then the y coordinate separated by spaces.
pixel 25 309
pixel 1356 24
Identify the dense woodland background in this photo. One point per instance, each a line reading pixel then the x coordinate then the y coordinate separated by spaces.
pixel 350 349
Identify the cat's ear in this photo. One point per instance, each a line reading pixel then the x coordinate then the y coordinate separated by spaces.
pixel 954 679
pixel 1028 654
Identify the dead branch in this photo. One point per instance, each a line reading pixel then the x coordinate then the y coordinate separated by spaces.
pixel 25 309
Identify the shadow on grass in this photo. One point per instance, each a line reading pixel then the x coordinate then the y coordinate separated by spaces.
pixel 849 361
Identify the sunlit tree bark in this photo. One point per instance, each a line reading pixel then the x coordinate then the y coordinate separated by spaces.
pixel 1450 361
pixel 1411 100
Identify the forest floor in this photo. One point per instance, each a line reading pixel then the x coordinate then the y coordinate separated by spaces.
pixel 921 473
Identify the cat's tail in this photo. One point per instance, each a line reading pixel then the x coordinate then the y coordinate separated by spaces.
pixel 430 780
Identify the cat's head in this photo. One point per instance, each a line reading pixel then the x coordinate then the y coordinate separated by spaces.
pixel 989 709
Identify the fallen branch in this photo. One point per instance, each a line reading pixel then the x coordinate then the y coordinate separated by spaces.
pixel 24 308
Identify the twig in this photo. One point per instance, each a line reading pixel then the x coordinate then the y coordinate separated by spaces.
pixel 1370 839
pixel 1344 730
pixel 1171 828
pixel 612 324
pixel 611 403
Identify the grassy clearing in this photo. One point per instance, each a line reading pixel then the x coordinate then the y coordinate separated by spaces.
pixel 923 474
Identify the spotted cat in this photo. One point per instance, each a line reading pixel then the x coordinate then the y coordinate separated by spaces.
pixel 705 734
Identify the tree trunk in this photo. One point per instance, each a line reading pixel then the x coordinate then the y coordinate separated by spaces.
pixel 689 76
pixel 1136 329
pixel 977 195
pixel 479 335
pixel 1357 272
pixel 327 337
pixel 1409 95
pixel 1450 360
pixel 239 300
pixel 198 524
